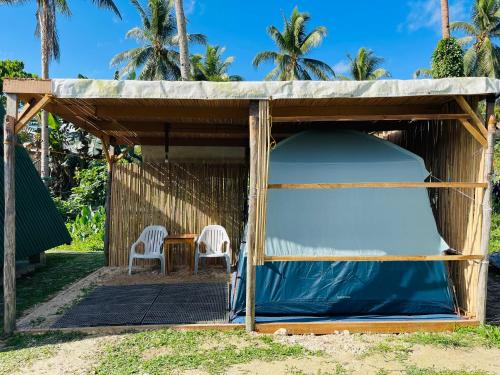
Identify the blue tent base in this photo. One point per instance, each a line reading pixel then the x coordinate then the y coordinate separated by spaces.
pixel 346 318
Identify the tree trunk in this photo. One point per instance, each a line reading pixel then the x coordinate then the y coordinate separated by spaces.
pixel 445 19
pixel 183 43
pixel 44 162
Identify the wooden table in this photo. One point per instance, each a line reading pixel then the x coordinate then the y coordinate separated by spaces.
pixel 180 239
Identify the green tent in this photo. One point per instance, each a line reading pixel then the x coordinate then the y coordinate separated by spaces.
pixel 39 226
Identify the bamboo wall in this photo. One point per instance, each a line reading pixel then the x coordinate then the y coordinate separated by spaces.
pixel 182 197
pixel 452 154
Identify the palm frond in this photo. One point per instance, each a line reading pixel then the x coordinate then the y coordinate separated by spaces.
pixel 108 4
pixel 266 56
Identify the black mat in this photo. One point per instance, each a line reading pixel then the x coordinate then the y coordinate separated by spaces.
pixel 149 304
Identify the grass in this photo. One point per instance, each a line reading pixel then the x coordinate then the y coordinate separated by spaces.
pixel 390 350
pixel 167 351
pixel 413 370
pixel 22 350
pixel 61 268
pixel 92 243
pixel 486 335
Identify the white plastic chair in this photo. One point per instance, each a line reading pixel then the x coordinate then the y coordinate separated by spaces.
pixel 152 237
pixel 214 237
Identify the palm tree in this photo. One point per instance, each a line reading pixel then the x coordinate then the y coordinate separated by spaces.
pixel 158 57
pixel 211 67
pixel 46 30
pixel 365 66
pixel 482 56
pixel 183 42
pixel 294 44
pixel 445 19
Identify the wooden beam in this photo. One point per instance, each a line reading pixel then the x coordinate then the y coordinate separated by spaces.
pixel 348 110
pixel 474 132
pixel 374 258
pixel 400 326
pixel 9 224
pixel 487 210
pixel 27 86
pixel 382 185
pixel 31 112
pixel 252 214
pixel 161 113
pixel 302 328
pixel 26 107
pixel 355 117
pixel 110 157
pixel 473 115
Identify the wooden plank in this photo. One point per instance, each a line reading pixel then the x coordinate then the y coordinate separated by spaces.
pixel 27 86
pixel 9 243
pixel 31 112
pixel 355 117
pixel 473 115
pixel 488 174
pixel 382 185
pixel 474 132
pixel 374 258
pixel 109 152
pixel 358 109
pixel 252 214
pixel 305 328
pixel 403 326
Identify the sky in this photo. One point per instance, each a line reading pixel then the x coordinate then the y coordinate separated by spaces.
pixel 403 32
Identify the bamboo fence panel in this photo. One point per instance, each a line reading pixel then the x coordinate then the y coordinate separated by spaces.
pixel 182 197
pixel 450 153
pixel 263 149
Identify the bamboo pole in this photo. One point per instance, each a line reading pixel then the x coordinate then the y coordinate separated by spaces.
pixel 252 212
pixel 486 224
pixel 110 157
pixel 9 243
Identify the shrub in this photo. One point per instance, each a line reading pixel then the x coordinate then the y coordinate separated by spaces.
pixel 448 59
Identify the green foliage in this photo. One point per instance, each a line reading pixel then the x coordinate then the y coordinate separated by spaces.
pixel 482 55
pixel 211 67
pixel 12 69
pixel 157 58
pixel 88 223
pixel 365 66
pixel 172 351
pixel 294 44
pixel 447 59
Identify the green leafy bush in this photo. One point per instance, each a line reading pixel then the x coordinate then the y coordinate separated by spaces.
pixel 448 59
pixel 88 223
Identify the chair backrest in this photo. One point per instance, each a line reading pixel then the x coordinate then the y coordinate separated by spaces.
pixel 153 236
pixel 214 236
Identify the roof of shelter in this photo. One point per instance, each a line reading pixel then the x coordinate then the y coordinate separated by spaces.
pixel 216 113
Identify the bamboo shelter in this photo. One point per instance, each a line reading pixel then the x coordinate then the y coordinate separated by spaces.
pixel 228 130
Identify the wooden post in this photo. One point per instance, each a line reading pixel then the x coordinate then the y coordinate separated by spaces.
pixel 9 243
pixel 110 156
pixel 486 224
pixel 252 198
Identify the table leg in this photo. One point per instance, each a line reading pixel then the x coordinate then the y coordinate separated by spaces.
pixel 191 258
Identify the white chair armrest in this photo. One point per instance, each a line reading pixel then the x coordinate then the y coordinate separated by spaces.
pixel 134 245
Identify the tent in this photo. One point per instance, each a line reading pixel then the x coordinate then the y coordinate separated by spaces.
pixel 40 226
pixel 346 222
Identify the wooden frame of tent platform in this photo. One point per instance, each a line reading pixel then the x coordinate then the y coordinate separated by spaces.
pixel 444 128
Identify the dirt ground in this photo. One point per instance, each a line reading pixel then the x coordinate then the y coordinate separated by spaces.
pixel 343 353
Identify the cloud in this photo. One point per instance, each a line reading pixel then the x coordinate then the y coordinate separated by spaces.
pixel 341 67
pixel 426 14
pixel 190 7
